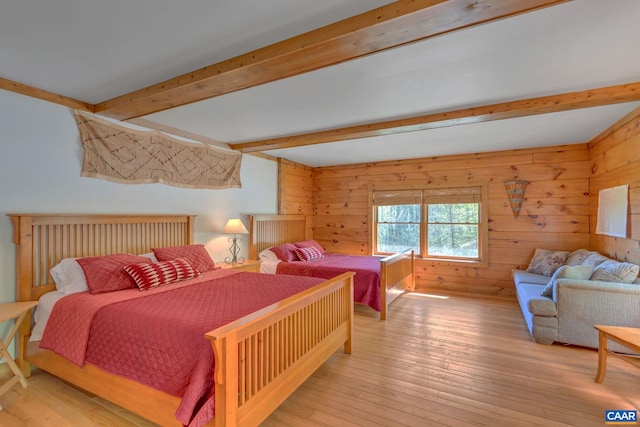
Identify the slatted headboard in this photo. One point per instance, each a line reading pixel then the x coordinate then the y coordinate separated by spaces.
pixel 42 240
pixel 273 230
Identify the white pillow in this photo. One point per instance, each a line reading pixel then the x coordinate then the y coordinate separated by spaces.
pixel 151 256
pixel 69 277
pixel 268 256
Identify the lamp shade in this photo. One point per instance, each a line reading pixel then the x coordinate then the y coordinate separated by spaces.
pixel 235 226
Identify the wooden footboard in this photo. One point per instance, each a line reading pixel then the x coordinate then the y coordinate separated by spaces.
pixel 262 358
pixel 396 276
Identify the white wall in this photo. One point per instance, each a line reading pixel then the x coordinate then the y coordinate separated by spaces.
pixel 40 163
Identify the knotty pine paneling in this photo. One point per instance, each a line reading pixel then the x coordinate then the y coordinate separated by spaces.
pixel 615 160
pixel 295 188
pixel 555 213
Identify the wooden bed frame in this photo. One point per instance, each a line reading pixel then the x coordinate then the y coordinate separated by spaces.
pixel 260 359
pixel 396 271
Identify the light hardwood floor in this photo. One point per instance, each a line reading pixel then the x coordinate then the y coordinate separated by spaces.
pixel 453 361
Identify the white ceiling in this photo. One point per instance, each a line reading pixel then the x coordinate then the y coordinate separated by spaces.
pixel 94 50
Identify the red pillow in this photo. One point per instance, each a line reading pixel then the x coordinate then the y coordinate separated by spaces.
pixel 307 254
pixel 106 273
pixel 196 254
pixel 151 275
pixel 285 252
pixel 310 244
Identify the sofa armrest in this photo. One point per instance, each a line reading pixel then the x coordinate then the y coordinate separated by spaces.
pixel 522 276
pixel 542 306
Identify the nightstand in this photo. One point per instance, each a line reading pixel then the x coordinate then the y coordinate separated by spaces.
pixel 249 265
pixel 16 311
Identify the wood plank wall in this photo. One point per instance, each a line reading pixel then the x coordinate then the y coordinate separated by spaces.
pixel 555 214
pixel 295 191
pixel 615 160
pixel 295 188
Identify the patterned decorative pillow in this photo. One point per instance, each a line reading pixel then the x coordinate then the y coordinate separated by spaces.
pixel 546 262
pixel 594 259
pixel 196 254
pixel 310 244
pixel 106 273
pixel 285 252
pixel 307 254
pixel 576 257
pixel 151 275
pixel 616 271
pixel 579 272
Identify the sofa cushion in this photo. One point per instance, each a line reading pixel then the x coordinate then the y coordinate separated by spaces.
pixel 579 272
pixel 616 271
pixel 546 262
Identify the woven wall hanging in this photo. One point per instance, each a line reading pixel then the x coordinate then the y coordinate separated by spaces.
pixel 515 193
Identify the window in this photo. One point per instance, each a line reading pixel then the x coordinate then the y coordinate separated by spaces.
pixel 447 223
pixel 398 221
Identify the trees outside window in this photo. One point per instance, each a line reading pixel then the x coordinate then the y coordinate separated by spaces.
pixel 452 229
pixel 398 228
pixel 435 222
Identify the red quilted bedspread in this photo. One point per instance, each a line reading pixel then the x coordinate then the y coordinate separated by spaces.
pixel 366 285
pixel 156 337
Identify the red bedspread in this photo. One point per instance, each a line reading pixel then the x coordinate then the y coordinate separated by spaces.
pixel 156 337
pixel 366 285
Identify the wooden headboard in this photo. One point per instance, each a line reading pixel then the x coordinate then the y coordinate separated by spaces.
pixel 42 240
pixel 272 230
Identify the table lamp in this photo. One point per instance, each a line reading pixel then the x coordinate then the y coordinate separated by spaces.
pixel 234 226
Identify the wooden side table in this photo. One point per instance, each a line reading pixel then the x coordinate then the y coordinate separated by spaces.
pixel 628 337
pixel 249 265
pixel 16 311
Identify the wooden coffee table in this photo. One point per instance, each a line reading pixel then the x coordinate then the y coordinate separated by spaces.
pixel 627 337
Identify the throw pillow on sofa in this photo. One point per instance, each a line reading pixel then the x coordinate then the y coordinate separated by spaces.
pixel 576 257
pixel 616 271
pixel 546 262
pixel 594 259
pixel 578 272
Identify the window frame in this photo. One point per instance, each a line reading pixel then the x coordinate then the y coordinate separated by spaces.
pixel 483 224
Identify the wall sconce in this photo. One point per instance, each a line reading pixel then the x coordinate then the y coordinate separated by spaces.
pixel 515 193
pixel 234 226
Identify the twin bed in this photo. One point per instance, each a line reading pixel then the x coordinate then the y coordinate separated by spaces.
pixel 377 282
pixel 253 357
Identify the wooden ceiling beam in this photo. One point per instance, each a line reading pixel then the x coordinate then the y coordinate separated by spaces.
pixel 34 92
pixel 389 26
pixel 507 110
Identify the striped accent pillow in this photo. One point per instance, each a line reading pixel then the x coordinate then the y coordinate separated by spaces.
pixel 307 254
pixel 152 275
